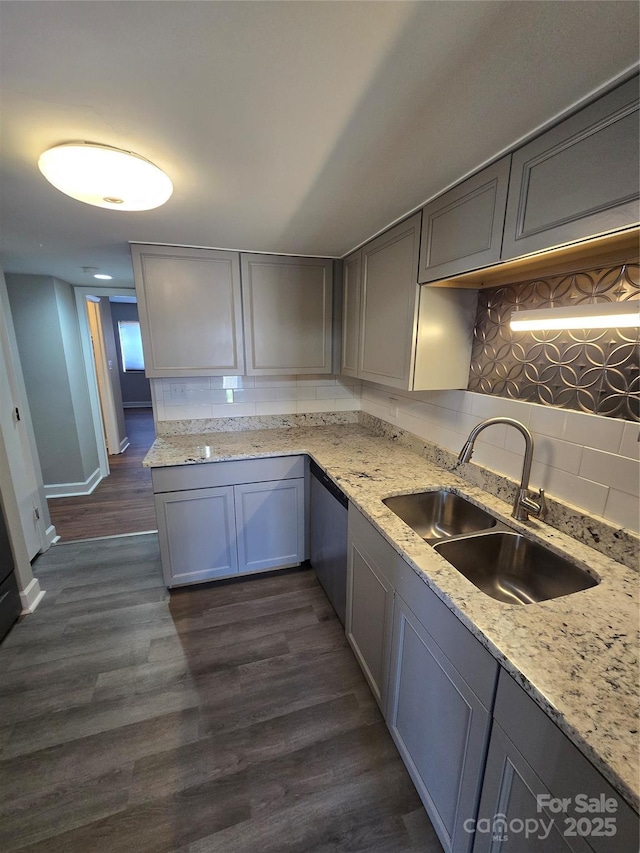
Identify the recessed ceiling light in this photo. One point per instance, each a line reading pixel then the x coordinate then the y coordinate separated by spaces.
pixel 105 176
pixel 103 276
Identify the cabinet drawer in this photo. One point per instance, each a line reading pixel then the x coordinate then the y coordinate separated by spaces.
pixel 213 474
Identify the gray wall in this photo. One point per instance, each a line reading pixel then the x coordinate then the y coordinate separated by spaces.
pixel 135 387
pixel 46 326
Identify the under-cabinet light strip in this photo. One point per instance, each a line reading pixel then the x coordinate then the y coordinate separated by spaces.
pixel 609 315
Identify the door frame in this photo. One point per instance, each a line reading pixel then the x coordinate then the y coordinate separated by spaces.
pixel 81 294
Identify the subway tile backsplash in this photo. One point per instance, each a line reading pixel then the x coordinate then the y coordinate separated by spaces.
pixel 586 460
pixel 242 396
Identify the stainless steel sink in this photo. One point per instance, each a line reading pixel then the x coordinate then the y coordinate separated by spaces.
pixel 439 515
pixel 513 569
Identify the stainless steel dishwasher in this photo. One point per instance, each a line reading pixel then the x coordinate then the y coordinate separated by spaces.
pixel 328 535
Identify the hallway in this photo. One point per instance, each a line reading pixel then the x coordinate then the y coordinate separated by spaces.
pixel 123 501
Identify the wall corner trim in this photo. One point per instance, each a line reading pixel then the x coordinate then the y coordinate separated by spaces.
pixel 31 597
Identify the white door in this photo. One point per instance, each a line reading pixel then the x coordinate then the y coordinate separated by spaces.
pixel 14 415
pixel 107 404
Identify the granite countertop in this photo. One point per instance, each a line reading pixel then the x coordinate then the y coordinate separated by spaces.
pixel 576 655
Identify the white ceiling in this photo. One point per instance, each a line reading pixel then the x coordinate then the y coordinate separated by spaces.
pixel 299 127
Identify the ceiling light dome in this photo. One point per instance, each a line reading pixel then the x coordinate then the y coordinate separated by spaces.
pixel 105 176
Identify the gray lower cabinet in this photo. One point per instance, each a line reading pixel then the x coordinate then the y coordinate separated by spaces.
pixel 462 229
pixel 190 310
pixel 288 314
pixel 433 680
pixel 225 518
pixel 197 532
pixel 540 794
pixel 270 525
pixel 440 726
pixel 479 749
pixel 371 566
pixel 577 180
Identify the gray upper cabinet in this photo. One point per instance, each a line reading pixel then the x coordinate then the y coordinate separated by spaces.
pixel 288 313
pixel 409 337
pixel 190 310
pixel 462 229
pixel 578 180
pixel 389 302
pixel 351 288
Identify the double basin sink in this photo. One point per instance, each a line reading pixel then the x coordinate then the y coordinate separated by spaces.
pixel 502 563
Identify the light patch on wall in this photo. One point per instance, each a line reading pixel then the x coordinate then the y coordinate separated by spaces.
pixel 130 345
pixel 588 370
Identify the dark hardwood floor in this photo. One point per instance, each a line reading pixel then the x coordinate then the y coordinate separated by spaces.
pixel 123 501
pixel 227 717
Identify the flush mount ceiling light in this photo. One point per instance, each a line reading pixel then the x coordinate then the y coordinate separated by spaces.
pixel 105 176
pixel 103 276
pixel 602 315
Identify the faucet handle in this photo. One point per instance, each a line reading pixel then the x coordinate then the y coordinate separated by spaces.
pixel 525 506
pixel 542 503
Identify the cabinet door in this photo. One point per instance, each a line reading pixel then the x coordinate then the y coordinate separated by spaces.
pixel 190 311
pixel 462 229
pixel 288 314
pixel 530 756
pixel 369 619
pixel 270 523
pixel 352 280
pixel 440 727
pixel 389 305
pixel 509 795
pixel 577 180
pixel 197 534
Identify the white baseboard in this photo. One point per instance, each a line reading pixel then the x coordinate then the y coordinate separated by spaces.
pixel 140 404
pixel 124 444
pixel 71 490
pixel 31 597
pixel 50 536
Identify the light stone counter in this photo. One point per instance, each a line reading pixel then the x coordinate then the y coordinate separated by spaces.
pixel 576 655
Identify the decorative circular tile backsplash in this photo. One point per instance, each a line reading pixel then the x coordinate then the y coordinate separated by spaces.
pixel 590 370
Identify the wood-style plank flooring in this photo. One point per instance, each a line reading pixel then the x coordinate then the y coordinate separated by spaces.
pixel 123 501
pixel 228 717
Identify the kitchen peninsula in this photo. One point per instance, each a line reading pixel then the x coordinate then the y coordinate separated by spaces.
pixel 575 656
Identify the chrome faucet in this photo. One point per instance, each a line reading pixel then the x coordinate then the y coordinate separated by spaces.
pixel 523 504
